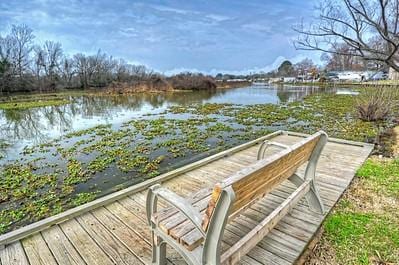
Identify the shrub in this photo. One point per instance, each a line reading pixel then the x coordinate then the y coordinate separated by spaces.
pixel 192 81
pixel 377 103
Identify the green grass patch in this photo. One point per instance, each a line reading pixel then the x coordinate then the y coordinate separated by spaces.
pixel 361 238
pixel 364 228
pixel 20 105
pixel 382 175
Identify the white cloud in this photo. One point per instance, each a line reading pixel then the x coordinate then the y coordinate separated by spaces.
pixel 182 70
pixel 217 18
pixel 170 35
pixel 129 32
pixel 264 28
pixel 267 68
pixel 172 10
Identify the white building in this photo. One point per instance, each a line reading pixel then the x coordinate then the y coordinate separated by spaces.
pixel 289 79
pixel 353 76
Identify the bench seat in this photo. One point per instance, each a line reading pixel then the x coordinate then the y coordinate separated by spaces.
pixel 178 226
pixel 195 226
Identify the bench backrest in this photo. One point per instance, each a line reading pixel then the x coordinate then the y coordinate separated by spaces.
pixel 260 178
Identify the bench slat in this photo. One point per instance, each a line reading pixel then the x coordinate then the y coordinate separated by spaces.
pixel 256 181
pixel 251 239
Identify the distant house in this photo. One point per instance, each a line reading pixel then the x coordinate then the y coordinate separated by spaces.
pixel 236 80
pixel 275 80
pixel 289 79
pixel 353 76
pixel 309 76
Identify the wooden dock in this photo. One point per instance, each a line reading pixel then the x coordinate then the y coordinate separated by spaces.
pixel 114 230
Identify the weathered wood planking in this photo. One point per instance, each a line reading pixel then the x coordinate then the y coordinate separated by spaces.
pixel 115 229
pixel 84 244
pixel 61 247
pixel 37 251
pixel 13 254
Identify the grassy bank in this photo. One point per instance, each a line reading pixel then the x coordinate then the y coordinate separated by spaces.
pixel 235 84
pixel 80 166
pixel 364 227
pixel 35 100
pixel 380 83
pixel 19 105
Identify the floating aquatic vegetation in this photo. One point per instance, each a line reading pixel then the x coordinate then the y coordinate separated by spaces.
pixel 82 198
pixel 85 164
pixel 76 173
pixel 21 105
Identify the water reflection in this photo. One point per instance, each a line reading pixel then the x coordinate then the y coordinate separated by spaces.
pixel 295 93
pixel 20 128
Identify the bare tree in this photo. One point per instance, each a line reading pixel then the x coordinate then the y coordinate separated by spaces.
pixel 83 69
pixel 304 66
pixel 139 72
pixel 53 55
pixel 6 67
pixel 121 71
pixel 6 48
pixel 340 62
pixel 39 65
pixel 22 38
pixel 357 23
pixel 104 68
pixel 67 71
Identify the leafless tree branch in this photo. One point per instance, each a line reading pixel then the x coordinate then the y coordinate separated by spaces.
pixel 368 27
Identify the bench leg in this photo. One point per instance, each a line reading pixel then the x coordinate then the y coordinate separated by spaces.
pixel 158 250
pixel 211 249
pixel 312 197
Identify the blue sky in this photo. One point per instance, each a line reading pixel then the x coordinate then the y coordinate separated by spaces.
pixel 169 36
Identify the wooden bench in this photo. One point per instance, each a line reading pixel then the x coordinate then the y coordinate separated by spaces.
pixel 195 227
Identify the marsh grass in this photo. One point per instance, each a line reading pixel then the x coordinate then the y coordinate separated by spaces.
pixel 20 105
pixel 376 104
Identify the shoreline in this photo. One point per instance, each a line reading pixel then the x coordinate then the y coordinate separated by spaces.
pixel 11 97
pixel 344 84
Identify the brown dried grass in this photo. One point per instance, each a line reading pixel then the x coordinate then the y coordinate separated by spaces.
pixel 377 103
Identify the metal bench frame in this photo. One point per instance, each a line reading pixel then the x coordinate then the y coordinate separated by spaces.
pixel 209 252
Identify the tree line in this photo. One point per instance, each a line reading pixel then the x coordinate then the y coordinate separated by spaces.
pixel 26 66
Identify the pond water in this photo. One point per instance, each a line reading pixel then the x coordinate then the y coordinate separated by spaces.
pixel 21 128
pixel 57 157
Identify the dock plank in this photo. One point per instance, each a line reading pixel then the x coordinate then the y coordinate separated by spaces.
pixel 130 239
pixel 37 251
pixel 117 232
pixel 13 254
pixel 62 249
pixel 84 244
pixel 128 214
pixel 106 241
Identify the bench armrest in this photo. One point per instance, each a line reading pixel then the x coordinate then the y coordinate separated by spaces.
pixel 176 201
pixel 279 145
pixel 265 144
